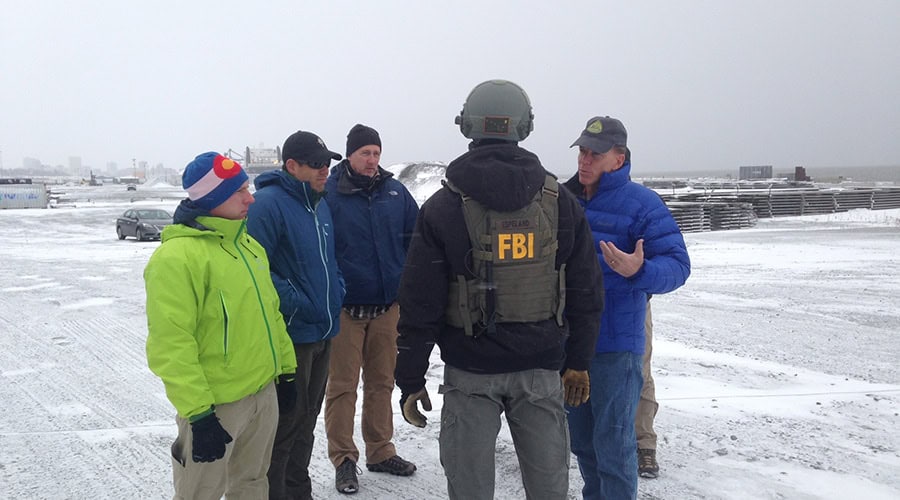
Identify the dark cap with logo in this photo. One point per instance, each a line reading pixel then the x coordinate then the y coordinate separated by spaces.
pixel 601 133
pixel 308 148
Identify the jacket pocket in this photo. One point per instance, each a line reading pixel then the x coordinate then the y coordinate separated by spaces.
pixel 225 327
pixel 178 453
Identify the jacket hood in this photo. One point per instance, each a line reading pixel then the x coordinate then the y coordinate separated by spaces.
pixel 502 177
pixel 187 212
pixel 290 184
pixel 204 225
pixel 274 177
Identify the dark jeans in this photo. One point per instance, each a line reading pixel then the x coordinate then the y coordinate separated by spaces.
pixel 602 430
pixel 289 472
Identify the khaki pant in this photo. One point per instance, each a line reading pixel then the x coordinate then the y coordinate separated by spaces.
pixel 647 406
pixel 241 473
pixel 369 345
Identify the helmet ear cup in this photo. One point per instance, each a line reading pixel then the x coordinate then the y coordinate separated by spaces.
pixel 526 126
pixel 463 126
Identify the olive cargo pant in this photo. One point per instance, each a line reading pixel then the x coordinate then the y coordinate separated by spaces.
pixel 532 401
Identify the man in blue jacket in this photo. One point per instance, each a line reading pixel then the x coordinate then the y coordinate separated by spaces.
pixel 641 251
pixel 291 220
pixel 374 217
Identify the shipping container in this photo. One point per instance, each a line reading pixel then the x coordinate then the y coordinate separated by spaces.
pixel 23 196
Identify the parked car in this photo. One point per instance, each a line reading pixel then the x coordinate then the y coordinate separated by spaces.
pixel 142 223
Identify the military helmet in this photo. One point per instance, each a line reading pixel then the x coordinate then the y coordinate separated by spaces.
pixel 496 109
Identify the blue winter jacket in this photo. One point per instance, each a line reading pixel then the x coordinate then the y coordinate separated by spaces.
pixel 293 223
pixel 622 211
pixel 373 228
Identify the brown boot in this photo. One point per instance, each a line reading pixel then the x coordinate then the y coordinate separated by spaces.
pixel 647 466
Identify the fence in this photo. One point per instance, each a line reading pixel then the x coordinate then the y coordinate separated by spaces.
pixel 714 211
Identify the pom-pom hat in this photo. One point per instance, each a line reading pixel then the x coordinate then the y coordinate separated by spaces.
pixel 211 179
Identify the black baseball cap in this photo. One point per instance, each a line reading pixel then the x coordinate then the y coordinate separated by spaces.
pixel 308 148
pixel 602 133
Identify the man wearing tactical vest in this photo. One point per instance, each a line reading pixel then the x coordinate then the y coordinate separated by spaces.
pixel 502 274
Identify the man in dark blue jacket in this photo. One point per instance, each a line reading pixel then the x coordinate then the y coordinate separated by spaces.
pixel 374 217
pixel 291 220
pixel 641 252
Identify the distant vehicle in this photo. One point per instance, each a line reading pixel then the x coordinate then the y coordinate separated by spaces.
pixel 143 224
pixel 131 187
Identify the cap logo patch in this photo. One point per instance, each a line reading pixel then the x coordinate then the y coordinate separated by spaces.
pixel 595 127
pixel 225 168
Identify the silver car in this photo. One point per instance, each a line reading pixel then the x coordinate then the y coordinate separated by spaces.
pixel 142 223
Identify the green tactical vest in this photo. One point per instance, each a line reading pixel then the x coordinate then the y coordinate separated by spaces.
pixel 514 260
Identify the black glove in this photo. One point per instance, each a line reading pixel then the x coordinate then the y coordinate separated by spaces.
pixel 287 393
pixel 209 439
pixel 410 410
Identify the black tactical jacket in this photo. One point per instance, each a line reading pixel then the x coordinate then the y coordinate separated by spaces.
pixel 502 177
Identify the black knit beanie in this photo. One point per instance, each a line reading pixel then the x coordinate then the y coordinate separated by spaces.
pixel 361 135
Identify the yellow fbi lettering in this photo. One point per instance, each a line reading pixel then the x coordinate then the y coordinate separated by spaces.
pixel 515 246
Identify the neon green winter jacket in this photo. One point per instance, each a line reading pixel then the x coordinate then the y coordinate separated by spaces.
pixel 215 334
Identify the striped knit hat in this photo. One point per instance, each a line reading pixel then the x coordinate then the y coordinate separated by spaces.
pixel 211 179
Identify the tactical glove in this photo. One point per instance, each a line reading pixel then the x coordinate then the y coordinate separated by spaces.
pixel 209 439
pixel 577 384
pixel 411 411
pixel 287 393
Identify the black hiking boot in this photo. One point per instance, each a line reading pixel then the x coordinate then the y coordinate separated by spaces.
pixel 647 466
pixel 345 479
pixel 394 465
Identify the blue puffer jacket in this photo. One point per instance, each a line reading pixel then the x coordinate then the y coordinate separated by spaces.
pixel 373 227
pixel 293 223
pixel 623 212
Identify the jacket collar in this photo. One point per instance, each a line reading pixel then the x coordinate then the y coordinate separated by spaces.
pixel 349 183
pixel 608 181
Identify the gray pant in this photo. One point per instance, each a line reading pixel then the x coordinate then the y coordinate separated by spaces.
pixel 289 473
pixel 241 473
pixel 470 422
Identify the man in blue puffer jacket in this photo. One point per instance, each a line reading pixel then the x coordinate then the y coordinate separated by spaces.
pixel 292 221
pixel 641 251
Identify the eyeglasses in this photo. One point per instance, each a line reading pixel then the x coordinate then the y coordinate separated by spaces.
pixel 315 164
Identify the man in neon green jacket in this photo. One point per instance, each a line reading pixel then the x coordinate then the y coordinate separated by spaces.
pixel 216 337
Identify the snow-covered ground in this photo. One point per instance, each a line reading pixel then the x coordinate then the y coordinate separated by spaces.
pixel 776 365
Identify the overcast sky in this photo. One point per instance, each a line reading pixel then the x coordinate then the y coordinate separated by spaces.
pixel 699 84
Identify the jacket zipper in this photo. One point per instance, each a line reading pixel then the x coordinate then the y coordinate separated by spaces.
pixel 323 258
